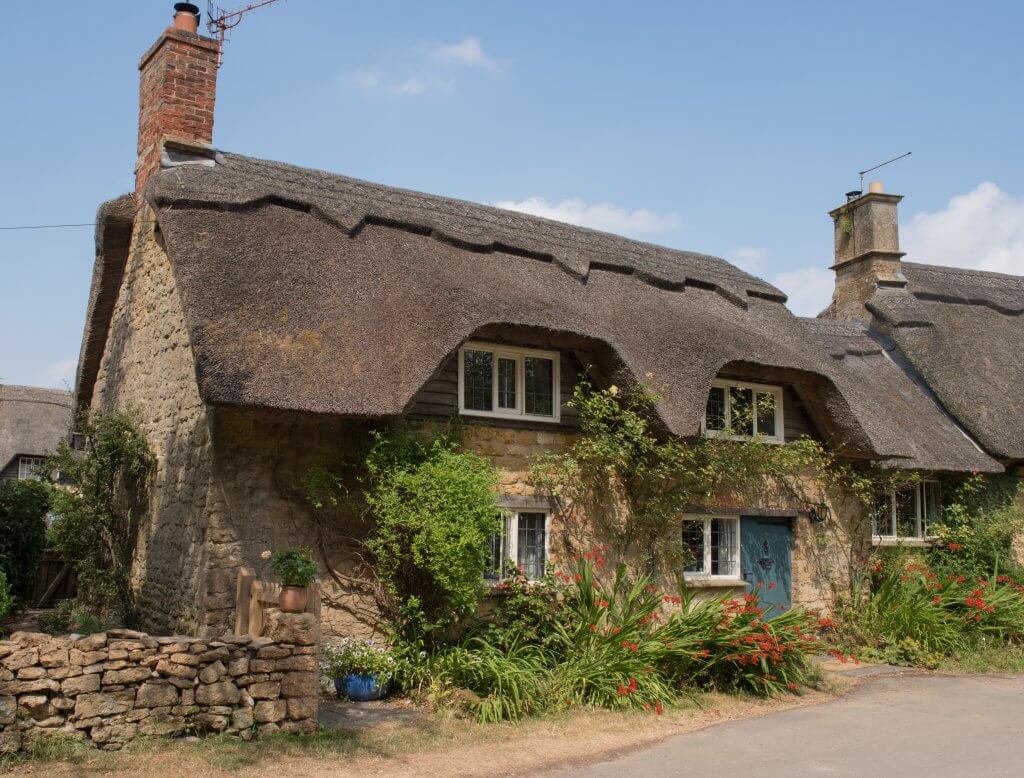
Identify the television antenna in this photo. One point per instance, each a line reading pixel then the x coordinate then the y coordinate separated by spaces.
pixel 880 164
pixel 219 21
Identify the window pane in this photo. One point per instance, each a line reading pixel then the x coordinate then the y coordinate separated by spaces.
pixel 741 408
pixel 881 516
pixel 530 549
pixel 506 383
pixel 30 467
pixel 932 504
pixel 693 544
pixel 715 414
pixel 724 549
pixel 477 380
pixel 495 557
pixel 540 386
pixel 906 513
pixel 766 414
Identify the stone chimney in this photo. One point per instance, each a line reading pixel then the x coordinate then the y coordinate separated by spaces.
pixel 177 87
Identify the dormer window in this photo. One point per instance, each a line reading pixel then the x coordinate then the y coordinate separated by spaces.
pixel 741 410
pixel 30 467
pixel 508 383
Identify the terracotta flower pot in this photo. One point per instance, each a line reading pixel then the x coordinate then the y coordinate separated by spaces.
pixel 293 599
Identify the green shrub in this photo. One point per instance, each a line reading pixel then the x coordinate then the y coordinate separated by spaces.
pixel 295 567
pixel 70 616
pixel 98 518
pixel 434 510
pixel 23 508
pixel 6 599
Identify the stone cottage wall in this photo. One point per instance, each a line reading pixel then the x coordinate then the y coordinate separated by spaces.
pixel 148 365
pixel 113 686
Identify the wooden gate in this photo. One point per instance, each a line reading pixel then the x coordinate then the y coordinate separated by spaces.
pixel 253 597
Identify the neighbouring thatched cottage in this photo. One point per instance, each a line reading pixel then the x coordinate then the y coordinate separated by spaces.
pixel 33 421
pixel 263 317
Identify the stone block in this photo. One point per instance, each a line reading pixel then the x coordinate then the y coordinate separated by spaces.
pixel 166 726
pixel 262 665
pixel 213 672
pixel 126 634
pixel 190 660
pixel 302 707
pixel 297 628
pixel 26 657
pixel 166 667
pixel 299 685
pixel 155 695
pixel 103 704
pixel 31 673
pixel 114 733
pixel 211 721
pixel 305 726
pixel 81 684
pixel 238 666
pixel 182 683
pixel 27 687
pixel 242 718
pixel 270 711
pixel 215 655
pixel 268 690
pixel 62 703
pixel 36 705
pixel 30 638
pixel 306 664
pixel 220 693
pixel 79 658
pixel 10 741
pixel 8 710
pixel 274 652
pixel 268 729
pixel 116 653
pixel 127 676
pixel 92 642
pixel 54 657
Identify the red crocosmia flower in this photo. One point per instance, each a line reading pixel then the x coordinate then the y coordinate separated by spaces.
pixel 602 603
pixel 577 577
pixel 936 600
pixel 954 546
pixel 792 686
pixel 632 684
pixel 658 708
pixel 622 691
pixel 772 585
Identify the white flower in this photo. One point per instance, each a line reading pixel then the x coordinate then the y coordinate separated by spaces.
pixel 266 555
pixel 613 390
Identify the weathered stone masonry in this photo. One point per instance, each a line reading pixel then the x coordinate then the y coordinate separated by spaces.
pixel 112 686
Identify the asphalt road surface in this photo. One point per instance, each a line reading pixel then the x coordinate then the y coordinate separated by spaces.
pixel 890 727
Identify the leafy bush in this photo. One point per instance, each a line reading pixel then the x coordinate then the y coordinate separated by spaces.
pixel 607 642
pixel 295 567
pixel 6 599
pixel 434 509
pixel 70 616
pixel 97 519
pixel 356 656
pixel 23 507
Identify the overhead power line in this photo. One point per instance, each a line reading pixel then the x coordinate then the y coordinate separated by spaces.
pixel 48 226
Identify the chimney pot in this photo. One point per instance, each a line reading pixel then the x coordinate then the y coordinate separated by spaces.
pixel 186 17
pixel 875 187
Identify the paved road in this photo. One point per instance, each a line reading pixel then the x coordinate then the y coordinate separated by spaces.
pixel 891 727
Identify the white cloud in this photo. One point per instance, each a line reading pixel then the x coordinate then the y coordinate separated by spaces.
pixel 983 229
pixel 58 375
pixel 748 258
pixel 467 52
pixel 374 80
pixel 599 216
pixel 809 289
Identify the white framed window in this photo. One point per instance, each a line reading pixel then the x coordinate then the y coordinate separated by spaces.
pixel 523 540
pixel 29 467
pixel 508 383
pixel 740 410
pixel 714 545
pixel 906 514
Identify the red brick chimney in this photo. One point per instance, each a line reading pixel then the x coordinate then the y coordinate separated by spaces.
pixel 177 87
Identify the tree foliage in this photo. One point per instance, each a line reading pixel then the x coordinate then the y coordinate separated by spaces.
pixel 98 517
pixel 23 508
pixel 433 509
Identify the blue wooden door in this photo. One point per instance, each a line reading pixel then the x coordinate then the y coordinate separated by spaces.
pixel 765 559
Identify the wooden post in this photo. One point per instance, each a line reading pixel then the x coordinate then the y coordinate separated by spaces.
pixel 243 590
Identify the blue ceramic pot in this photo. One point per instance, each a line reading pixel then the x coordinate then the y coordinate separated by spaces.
pixel 361 687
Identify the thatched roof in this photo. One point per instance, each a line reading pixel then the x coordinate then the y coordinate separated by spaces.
pixel 888 395
pixel 963 331
pixel 308 291
pixel 32 420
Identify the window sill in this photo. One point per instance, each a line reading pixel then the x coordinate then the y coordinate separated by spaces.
pixel 714 583
pixel 509 416
pixel 744 438
pixel 878 541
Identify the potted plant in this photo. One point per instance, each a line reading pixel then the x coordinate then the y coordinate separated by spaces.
pixel 297 569
pixel 360 671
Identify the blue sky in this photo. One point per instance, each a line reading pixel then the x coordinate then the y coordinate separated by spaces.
pixel 728 128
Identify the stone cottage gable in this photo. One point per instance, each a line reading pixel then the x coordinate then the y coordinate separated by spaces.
pixel 148 365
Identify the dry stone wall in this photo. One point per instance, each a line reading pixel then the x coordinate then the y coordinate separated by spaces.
pixel 113 686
